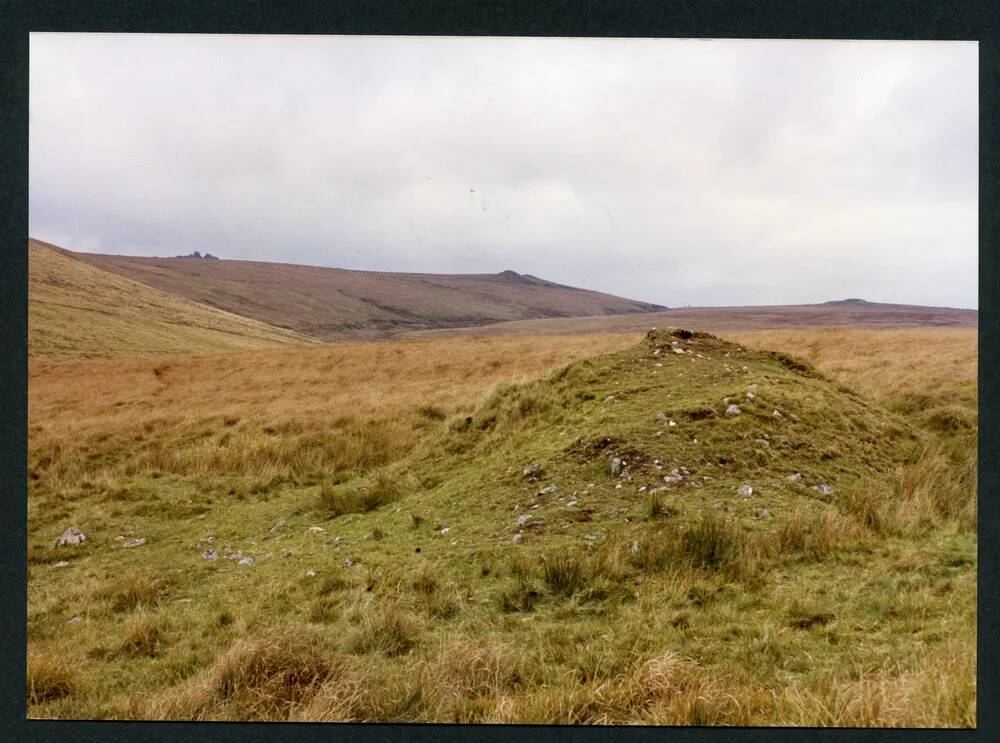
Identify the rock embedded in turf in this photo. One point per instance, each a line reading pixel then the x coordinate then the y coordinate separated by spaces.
pixel 733 409
pixel 795 477
pixel 547 490
pixel 71 538
pixel 746 491
pixel 62 563
pixel 246 561
pixel 210 555
pixel 616 467
pixel 134 543
pixel 533 471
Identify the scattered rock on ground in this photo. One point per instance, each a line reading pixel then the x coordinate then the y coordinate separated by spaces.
pixel 795 477
pixel 616 467
pixel 134 542
pixel 74 620
pixel 310 574
pixel 746 491
pixel 246 561
pixel 733 409
pixel 517 538
pixel 62 563
pixel 533 471
pixel 547 490
pixel 776 414
pixel 71 537
pixel 210 555
pixel 763 514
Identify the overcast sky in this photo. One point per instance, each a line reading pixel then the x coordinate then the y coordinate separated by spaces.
pixel 677 172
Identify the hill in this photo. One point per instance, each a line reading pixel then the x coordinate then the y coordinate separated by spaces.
pixel 843 313
pixel 497 563
pixel 331 303
pixel 77 310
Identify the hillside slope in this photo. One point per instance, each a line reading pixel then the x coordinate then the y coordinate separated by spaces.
pixel 337 303
pixel 78 310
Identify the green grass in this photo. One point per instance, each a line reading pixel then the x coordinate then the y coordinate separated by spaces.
pixel 614 604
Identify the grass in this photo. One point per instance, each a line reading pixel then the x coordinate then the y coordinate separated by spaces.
pixel 615 605
pixel 78 310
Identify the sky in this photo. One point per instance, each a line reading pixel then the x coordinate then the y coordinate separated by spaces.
pixel 681 172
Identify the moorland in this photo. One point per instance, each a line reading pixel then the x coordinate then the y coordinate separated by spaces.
pixel 572 520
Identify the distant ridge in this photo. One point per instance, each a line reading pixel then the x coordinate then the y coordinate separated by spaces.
pixel 334 303
pixel 849 302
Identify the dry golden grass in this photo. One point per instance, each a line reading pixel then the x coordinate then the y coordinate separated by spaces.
pixel 883 363
pixel 267 414
pixel 77 310
pixel 882 603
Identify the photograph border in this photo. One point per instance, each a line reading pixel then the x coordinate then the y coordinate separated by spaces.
pixel 807 19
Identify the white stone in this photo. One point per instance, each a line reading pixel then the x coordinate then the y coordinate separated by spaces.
pixel 72 537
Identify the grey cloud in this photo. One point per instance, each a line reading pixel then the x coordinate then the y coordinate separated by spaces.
pixel 680 172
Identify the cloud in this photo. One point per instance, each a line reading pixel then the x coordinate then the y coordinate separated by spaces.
pixel 680 172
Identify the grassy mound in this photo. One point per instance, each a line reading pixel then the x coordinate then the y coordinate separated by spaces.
pixel 602 545
pixel 643 437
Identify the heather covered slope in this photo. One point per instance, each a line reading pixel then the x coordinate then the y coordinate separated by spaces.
pixel 78 310
pixel 334 303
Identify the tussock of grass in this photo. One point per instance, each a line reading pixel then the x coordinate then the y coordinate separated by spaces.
pixel 134 590
pixel 143 637
pixel 381 489
pixel 260 677
pixel 384 628
pixel 565 574
pixel 440 601
pixel 50 677
pixel 467 670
